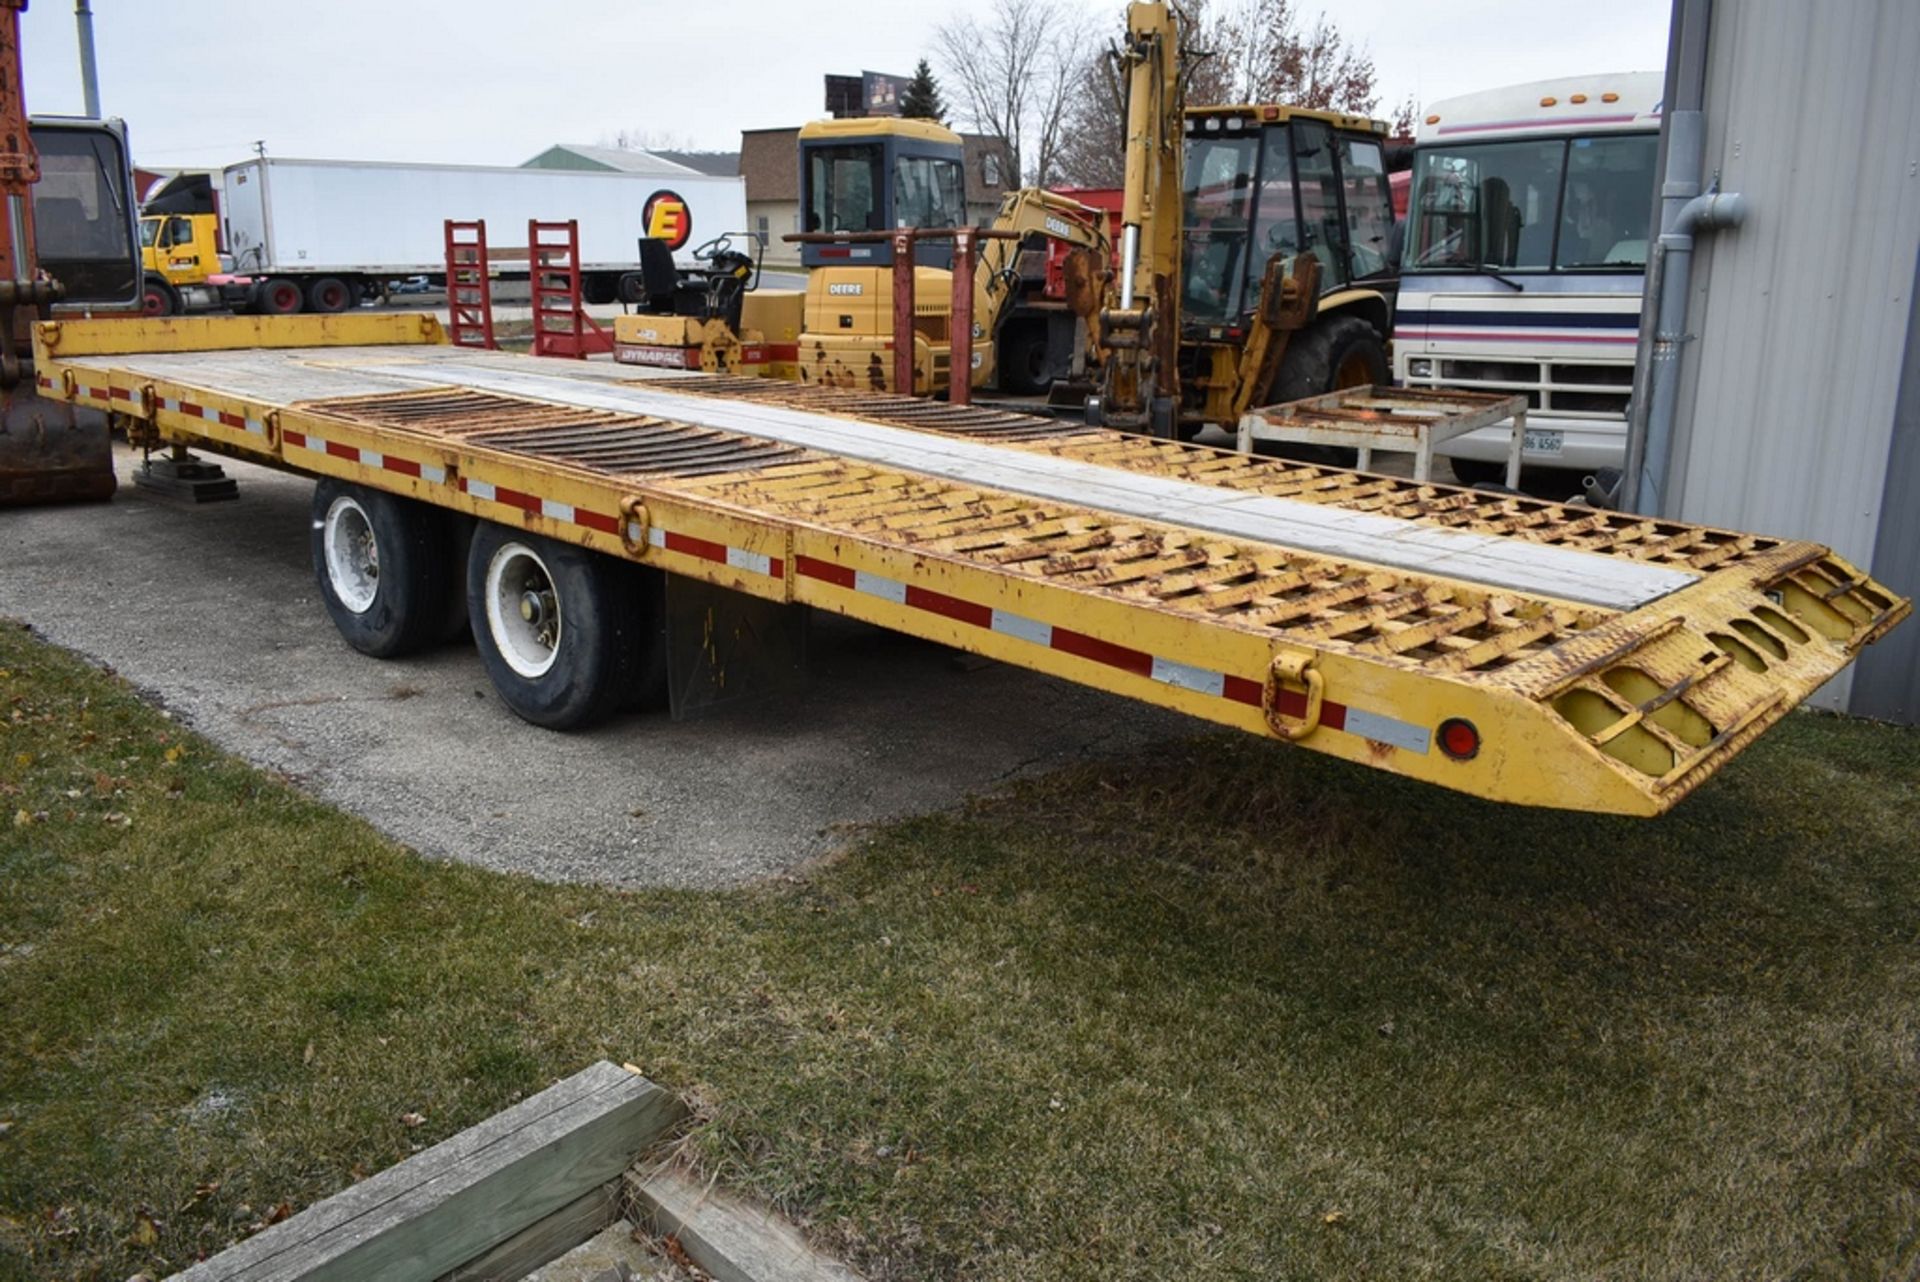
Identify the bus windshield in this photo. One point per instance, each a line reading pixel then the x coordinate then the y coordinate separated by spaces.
pixel 1554 204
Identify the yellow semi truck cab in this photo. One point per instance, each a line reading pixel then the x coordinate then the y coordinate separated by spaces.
pixel 181 266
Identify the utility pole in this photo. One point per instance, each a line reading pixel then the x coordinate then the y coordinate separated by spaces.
pixel 89 78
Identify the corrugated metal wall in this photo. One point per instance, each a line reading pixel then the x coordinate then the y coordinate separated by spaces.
pixel 1787 400
pixel 1887 684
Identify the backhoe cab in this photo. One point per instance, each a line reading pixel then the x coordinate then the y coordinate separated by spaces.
pixel 1279 201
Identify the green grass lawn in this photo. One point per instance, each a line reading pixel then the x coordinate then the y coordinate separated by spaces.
pixel 1223 1010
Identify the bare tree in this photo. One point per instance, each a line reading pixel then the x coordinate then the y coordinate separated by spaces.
pixel 1403 117
pixel 1093 143
pixel 1017 66
pixel 1258 52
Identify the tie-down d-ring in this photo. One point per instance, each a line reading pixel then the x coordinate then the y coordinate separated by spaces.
pixel 1293 668
pixel 634 525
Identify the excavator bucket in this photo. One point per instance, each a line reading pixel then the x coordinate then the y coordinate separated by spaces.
pixel 52 451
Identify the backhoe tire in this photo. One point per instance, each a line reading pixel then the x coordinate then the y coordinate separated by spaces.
pixel 158 298
pixel 1338 351
pixel 329 295
pixel 279 296
pixel 384 568
pixel 560 629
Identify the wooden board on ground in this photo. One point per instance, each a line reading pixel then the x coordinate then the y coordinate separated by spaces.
pixel 443 1208
pixel 731 1239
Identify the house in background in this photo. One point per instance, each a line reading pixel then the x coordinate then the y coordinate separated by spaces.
pixel 569 155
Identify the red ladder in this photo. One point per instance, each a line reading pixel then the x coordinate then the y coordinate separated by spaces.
pixel 469 294
pixel 561 326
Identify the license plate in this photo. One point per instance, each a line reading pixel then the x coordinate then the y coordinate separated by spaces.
pixel 1543 442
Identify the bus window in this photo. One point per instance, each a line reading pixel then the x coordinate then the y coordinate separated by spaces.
pixel 1608 203
pixel 1485 205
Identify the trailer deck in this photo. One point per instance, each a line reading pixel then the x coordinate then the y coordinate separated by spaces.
pixel 1523 651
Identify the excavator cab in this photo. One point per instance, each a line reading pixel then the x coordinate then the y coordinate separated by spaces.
pixel 878 174
pixel 70 248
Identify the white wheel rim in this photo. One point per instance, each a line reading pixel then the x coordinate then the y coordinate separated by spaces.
pixel 352 555
pixel 523 610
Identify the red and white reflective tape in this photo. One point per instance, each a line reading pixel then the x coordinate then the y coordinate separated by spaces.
pixel 91 393
pixel 1377 726
pixel 194 410
pixel 366 458
pixel 548 508
pixel 772 567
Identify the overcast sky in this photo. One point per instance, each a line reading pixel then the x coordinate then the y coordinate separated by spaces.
pixel 495 81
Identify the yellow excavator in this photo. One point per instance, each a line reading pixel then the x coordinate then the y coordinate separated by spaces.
pixel 861 180
pixel 1254 264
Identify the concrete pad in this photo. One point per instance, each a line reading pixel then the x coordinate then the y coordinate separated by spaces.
pixel 214 611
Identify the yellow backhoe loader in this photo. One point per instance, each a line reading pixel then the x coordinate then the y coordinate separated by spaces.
pixel 1254 264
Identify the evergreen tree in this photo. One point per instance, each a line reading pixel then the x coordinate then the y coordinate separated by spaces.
pixel 922 101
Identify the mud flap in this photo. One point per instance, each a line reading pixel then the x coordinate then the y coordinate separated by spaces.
pixel 53 452
pixel 725 647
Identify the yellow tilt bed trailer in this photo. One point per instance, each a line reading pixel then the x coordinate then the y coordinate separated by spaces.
pixel 1522 651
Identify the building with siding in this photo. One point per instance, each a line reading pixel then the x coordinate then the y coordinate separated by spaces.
pixel 1799 390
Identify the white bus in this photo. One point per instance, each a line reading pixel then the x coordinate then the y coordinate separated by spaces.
pixel 1526 249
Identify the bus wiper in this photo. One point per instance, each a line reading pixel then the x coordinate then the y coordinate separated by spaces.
pixel 1487 269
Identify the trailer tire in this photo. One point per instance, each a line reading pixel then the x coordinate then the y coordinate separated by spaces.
pixel 158 298
pixel 559 628
pixel 279 296
pixel 329 295
pixel 383 566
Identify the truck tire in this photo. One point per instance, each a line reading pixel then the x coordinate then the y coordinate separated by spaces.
pixel 383 566
pixel 279 296
pixel 599 289
pixel 158 298
pixel 329 295
pixel 1022 362
pixel 559 628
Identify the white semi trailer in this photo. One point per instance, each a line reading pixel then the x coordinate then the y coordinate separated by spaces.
pixel 314 235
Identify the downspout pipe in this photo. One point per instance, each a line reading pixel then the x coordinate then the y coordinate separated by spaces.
pixel 1673 270
pixel 1684 211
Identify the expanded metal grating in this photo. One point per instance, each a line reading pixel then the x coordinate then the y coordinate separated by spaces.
pixel 1588 529
pixel 1382 613
pixel 604 441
